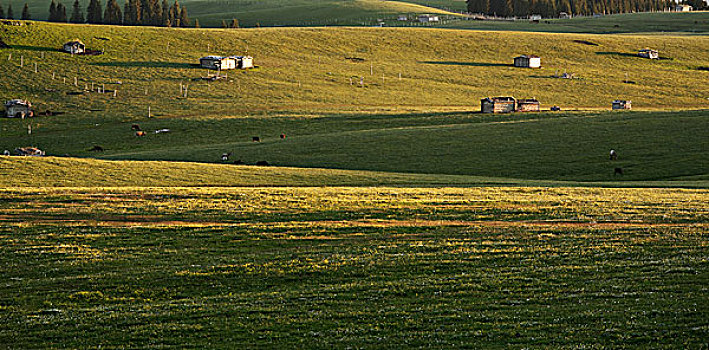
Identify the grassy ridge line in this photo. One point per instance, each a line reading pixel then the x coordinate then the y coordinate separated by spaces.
pixel 76 172
pixel 271 12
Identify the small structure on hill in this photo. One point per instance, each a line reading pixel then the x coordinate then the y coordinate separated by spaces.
pixel 75 47
pixel 402 18
pixel 497 105
pixel 528 105
pixel 621 104
pixel 29 152
pixel 683 8
pixel 226 63
pixel 535 18
pixel 428 18
pixel 564 15
pixel 217 62
pixel 649 53
pixel 528 61
pixel 18 108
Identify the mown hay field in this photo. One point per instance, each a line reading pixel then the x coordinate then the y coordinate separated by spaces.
pixel 353 267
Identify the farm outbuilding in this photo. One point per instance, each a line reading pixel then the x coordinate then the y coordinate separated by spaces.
pixel 244 62
pixel 621 104
pixel 74 47
pixel 683 8
pixel 528 61
pixel 649 53
pixel 497 105
pixel 18 109
pixel 528 105
pixel 428 18
pixel 226 63
pixel 403 18
pixel 217 62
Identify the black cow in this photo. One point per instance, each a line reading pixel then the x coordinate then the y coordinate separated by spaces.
pixel 262 163
pixel 96 148
pixel 256 139
pixel 135 127
pixel 617 171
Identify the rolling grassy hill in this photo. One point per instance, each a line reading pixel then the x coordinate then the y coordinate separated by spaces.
pixel 420 123
pixel 252 13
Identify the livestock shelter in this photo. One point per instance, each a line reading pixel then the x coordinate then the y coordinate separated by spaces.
pixel 18 108
pixel 528 105
pixel 74 47
pixel 528 61
pixel 217 62
pixel 428 18
pixel 683 8
pixel 649 53
pixel 244 62
pixel 497 105
pixel 621 104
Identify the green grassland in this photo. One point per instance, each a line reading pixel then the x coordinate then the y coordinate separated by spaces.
pixel 353 267
pixel 252 13
pixel 421 123
pixel 687 22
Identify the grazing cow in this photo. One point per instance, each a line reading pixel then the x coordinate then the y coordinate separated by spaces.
pixel 140 133
pixel 225 156
pixel 96 148
pixel 262 163
pixel 283 136
pixel 6 153
pixel 239 162
pixel 135 127
pixel 617 171
pixel 256 139
pixel 614 155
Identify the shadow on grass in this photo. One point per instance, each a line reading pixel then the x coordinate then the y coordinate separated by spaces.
pixel 145 64
pixel 621 54
pixel 471 64
pixel 33 48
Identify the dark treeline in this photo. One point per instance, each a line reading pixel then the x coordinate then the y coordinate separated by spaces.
pixel 552 8
pixel 134 13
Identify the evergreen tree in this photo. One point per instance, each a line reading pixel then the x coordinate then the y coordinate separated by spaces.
pixel 165 21
pixel 157 13
pixel 564 6
pixel 196 23
pixel 174 14
pixel 10 15
pixel 52 12
pixel 112 14
pixel 26 13
pixel 126 13
pixel 61 13
pixel 184 20
pixel 2 12
pixel 145 12
pixel 77 16
pixel 520 8
pixel 94 12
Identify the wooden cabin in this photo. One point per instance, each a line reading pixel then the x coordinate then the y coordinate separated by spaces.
pixel 528 105
pixel 497 105
pixel 74 47
pixel 217 62
pixel 244 62
pixel 428 18
pixel 649 53
pixel 528 61
pixel 621 104
pixel 18 109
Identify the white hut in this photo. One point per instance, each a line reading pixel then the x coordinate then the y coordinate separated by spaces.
pixel 74 47
pixel 18 109
pixel 528 61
